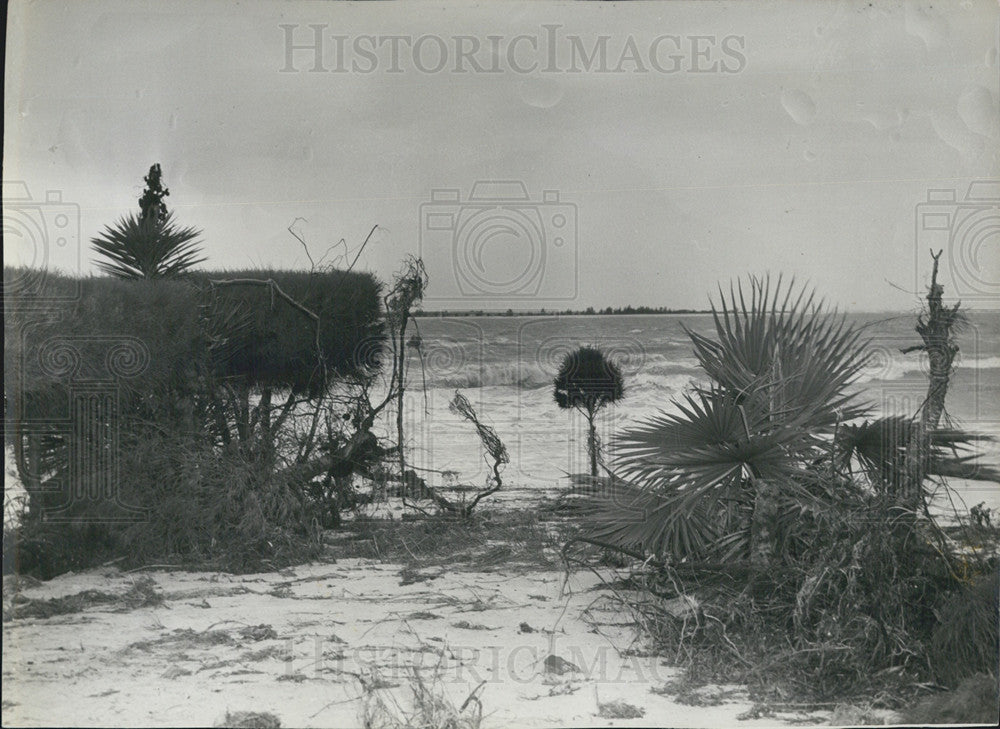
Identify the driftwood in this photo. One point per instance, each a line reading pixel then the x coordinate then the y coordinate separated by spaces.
pixel 495 451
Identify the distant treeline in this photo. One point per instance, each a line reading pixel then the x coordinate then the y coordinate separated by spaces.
pixel 590 310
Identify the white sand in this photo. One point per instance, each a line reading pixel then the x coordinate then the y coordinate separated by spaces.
pixel 335 626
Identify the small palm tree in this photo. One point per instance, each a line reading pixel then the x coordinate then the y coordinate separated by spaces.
pixel 587 382
pixel 147 247
pixel 773 436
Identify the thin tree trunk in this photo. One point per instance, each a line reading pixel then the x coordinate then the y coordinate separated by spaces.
pixel 935 329
pixel 401 378
pixel 764 494
pixel 592 443
pixel 266 434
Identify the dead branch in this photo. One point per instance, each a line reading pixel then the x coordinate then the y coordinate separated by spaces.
pixel 495 449
pixel 275 289
pixel 936 327
pixel 302 240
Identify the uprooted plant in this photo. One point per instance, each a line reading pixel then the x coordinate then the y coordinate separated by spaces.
pixel 340 444
pixel 495 455
pixel 351 449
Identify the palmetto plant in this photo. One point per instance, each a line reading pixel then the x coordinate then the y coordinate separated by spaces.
pixel 772 437
pixel 877 451
pixel 147 247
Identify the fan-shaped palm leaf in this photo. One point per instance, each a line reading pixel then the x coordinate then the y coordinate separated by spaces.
pixel 638 520
pixel 693 469
pixel 784 343
pixel 781 370
pixel 879 447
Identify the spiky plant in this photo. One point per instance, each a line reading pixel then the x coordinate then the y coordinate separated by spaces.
pixel 774 436
pixel 711 478
pixel 147 247
pixel 587 382
pixel 879 447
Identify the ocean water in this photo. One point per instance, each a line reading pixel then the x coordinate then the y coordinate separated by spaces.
pixel 505 366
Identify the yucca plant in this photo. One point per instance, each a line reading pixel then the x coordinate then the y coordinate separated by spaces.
pixel 147 247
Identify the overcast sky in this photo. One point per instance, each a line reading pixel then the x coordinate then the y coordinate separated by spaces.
pixel 683 144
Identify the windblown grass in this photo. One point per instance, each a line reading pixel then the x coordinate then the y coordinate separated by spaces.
pixel 974 701
pixel 965 641
pixel 428 705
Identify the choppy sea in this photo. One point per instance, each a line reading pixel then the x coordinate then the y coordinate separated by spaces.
pixel 505 366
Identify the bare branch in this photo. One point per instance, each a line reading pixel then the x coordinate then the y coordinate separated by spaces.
pixel 275 288
pixel 302 240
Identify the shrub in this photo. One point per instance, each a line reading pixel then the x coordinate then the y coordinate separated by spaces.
pixel 964 641
pixel 277 347
pixel 203 507
pixel 176 321
pixel 212 508
pixel 134 375
pixel 974 701
pixel 588 381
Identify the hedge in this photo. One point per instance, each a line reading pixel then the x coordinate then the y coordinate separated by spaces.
pixel 154 350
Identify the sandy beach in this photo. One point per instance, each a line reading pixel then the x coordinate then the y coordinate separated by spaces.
pixel 316 644
pixel 474 365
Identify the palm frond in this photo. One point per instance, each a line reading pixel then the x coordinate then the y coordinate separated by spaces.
pixel 635 519
pixel 229 329
pixel 135 247
pixel 689 472
pixel 780 369
pixel 713 440
pixel 879 446
pixel 781 342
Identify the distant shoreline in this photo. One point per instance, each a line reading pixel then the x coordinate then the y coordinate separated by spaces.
pixel 643 311
pixel 627 311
